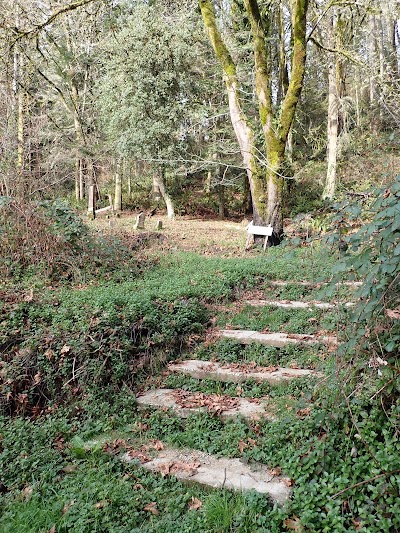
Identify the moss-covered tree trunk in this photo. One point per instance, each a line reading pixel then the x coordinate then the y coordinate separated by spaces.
pixel 243 131
pixel 276 127
pixel 266 187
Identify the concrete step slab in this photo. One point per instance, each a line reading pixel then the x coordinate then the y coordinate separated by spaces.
pixel 283 283
pixel 275 339
pixel 198 467
pixel 291 304
pixel 185 403
pixel 238 373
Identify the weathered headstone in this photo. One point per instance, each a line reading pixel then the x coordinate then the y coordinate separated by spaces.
pixel 140 221
pixel 159 224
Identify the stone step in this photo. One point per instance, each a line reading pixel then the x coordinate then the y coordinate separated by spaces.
pixel 238 373
pixel 185 403
pixel 283 283
pixel 275 339
pixel 291 304
pixel 194 466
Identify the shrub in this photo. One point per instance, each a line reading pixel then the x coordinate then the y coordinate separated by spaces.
pixel 49 240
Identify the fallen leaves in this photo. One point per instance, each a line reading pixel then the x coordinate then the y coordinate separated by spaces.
pixel 293 524
pixel 393 313
pixel 140 455
pixel 250 443
pixel 26 493
pixel 302 413
pixel 140 426
pixel 101 504
pixel 195 504
pixel 68 506
pixel 65 349
pixel 152 508
pixel 181 467
pixel 157 445
pixel 288 482
pixel 214 403
pixel 49 354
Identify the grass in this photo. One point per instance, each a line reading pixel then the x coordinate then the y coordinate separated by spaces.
pixel 249 389
pixel 230 351
pixel 296 291
pixel 273 319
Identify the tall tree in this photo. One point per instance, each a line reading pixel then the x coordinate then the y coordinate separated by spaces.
pixel 276 117
pixel 149 89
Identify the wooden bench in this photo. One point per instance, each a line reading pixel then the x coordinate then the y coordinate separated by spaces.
pixel 265 231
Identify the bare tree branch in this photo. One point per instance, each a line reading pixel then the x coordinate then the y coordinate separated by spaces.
pixel 53 16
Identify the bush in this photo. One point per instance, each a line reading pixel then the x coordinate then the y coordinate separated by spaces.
pixel 49 240
pixel 374 257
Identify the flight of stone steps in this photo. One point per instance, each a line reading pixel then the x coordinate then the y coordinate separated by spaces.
pixel 197 466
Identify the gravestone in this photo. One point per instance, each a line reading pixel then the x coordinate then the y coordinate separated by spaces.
pixel 159 224
pixel 140 221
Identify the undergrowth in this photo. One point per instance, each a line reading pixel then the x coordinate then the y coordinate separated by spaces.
pixel 61 342
pixel 72 355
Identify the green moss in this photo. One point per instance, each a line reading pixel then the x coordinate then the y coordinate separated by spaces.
pixel 220 49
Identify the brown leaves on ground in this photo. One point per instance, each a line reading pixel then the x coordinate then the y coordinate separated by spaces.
pixel 189 469
pixel 152 508
pixel 141 453
pixel 156 444
pixel 293 524
pixel 276 471
pixel 26 493
pixel 195 504
pixel 59 443
pixel 288 481
pixel 215 403
pixel 302 413
pixel 243 445
pixel 142 427
pixel 393 313
pixel 68 506
pixel 65 349
pixel 357 523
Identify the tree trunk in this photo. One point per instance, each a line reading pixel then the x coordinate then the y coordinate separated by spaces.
pixel 81 179
pixel 333 130
pixel 372 58
pixel 118 190
pixel 221 201
pixel 277 128
pixel 77 176
pixel 248 149
pixel 243 131
pixel 20 111
pixel 158 183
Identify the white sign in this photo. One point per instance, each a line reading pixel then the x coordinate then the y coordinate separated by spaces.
pixel 260 230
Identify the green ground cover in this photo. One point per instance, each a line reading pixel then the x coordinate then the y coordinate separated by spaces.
pixel 109 338
pixel 274 319
pixel 230 351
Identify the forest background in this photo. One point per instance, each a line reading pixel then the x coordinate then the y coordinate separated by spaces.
pixel 132 97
